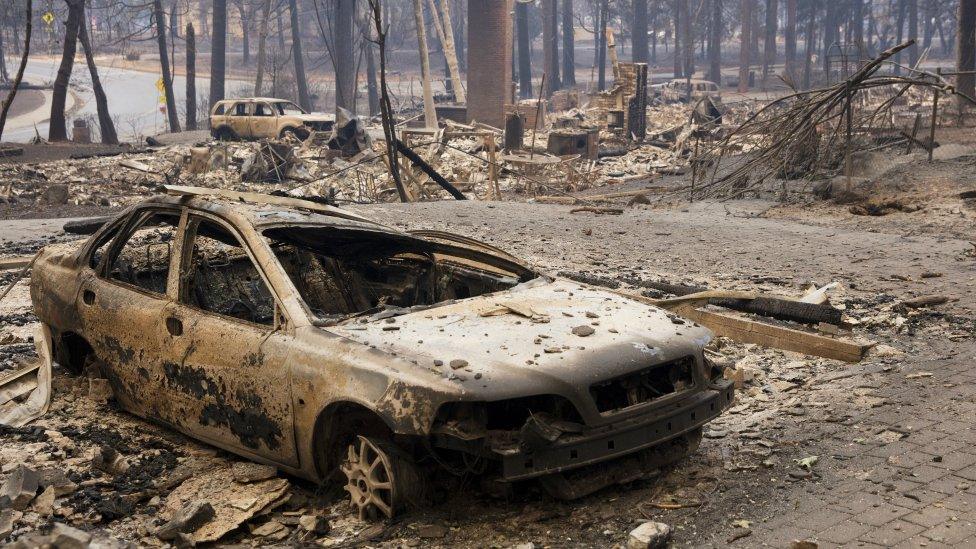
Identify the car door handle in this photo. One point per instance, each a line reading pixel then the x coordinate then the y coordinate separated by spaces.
pixel 88 297
pixel 174 326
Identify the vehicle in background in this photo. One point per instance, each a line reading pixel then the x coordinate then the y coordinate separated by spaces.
pixel 683 90
pixel 264 117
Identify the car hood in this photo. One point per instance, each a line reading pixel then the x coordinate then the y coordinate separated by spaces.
pixel 540 337
pixel 313 117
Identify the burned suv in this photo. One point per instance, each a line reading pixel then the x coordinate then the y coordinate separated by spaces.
pixel 264 117
pixel 304 336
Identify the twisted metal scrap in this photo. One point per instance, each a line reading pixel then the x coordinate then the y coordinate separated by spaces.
pixel 804 133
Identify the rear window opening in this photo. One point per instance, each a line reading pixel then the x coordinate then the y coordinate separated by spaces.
pixel 644 386
pixel 344 273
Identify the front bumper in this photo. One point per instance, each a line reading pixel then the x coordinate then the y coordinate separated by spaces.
pixel 621 439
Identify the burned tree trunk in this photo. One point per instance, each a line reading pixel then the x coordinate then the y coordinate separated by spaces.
pixel 191 77
pixel 769 43
pixel 811 42
pixel 550 46
pixel 245 34
pixel 790 41
pixel 430 114
pixel 569 46
pixel 687 39
pixel 715 43
pixel 345 63
pixel 105 124
pixel 966 52
pixel 601 56
pixel 389 123
pixel 900 33
pixel 676 12
pixel 296 40
pixel 372 93
pixel 3 58
pixel 20 71
pixel 450 51
pixel 174 121
pixel 857 22
pixel 218 50
pixel 744 41
pixel 913 31
pixel 524 53
pixel 262 45
pixel 640 52
pixel 58 130
pixel 927 25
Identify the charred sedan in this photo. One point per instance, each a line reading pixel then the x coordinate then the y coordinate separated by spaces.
pixel 301 335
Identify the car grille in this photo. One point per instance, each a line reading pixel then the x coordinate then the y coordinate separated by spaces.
pixel 644 386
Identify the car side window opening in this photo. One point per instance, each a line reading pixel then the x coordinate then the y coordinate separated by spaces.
pixel 240 109
pixel 219 109
pixel 341 274
pixel 262 109
pixel 102 246
pixel 143 260
pixel 221 278
pixel 288 108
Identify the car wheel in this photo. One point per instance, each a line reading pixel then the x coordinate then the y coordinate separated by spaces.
pixel 300 134
pixel 381 479
pixel 224 134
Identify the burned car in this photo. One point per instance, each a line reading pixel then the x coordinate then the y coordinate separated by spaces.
pixel 302 335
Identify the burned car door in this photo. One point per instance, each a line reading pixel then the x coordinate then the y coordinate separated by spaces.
pixel 228 381
pixel 121 305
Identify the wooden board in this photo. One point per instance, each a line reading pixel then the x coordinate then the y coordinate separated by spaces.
pixel 767 335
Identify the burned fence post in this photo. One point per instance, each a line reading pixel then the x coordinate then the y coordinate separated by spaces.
pixel 514 130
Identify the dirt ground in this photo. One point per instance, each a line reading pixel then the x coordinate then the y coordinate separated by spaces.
pixel 866 454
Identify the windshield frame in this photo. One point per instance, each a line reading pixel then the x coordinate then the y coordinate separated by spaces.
pixel 280 107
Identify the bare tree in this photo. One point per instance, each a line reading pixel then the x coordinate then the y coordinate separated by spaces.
pixel 296 42
pixel 524 50
pixel 569 46
pixel 913 31
pixel 342 49
pixel 174 120
pixel 450 51
pixel 262 45
pixel 715 43
pixel 550 45
pixel 601 56
pixel 639 53
pixel 811 42
pixel 687 39
pixel 769 42
pixel 790 38
pixel 191 77
pixel 58 131
pixel 966 51
pixel 105 124
pixel 745 14
pixel 218 51
pixel 430 114
pixel 676 12
pixel 20 71
pixel 389 123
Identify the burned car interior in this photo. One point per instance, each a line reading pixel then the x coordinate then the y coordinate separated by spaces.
pixel 342 273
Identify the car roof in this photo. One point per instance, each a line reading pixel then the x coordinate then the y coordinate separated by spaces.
pixel 272 99
pixel 262 210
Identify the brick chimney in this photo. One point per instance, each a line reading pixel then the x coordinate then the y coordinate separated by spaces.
pixel 489 60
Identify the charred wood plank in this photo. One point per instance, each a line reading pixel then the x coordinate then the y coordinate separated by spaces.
pixel 415 159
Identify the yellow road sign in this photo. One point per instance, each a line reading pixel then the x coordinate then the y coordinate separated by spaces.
pixel 48 18
pixel 159 85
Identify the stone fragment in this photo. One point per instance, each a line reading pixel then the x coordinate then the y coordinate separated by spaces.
pixel 191 517
pixel 650 535
pixel 44 503
pixel 583 330
pixel 316 524
pixel 55 194
pixel 19 489
pixel 458 363
pixel 247 471
pixel 65 537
